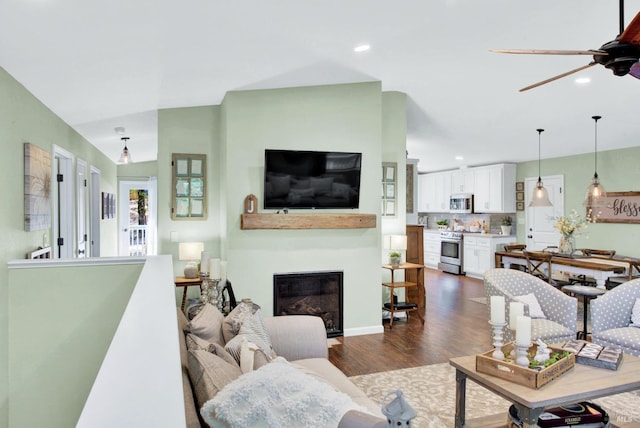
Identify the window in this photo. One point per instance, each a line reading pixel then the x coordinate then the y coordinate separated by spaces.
pixel 189 200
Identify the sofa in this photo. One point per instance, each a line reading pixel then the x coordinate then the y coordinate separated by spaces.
pixel 299 339
pixel 612 315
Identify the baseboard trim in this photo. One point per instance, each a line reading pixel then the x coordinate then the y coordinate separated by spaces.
pixel 359 331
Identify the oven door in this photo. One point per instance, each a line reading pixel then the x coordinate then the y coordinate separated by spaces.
pixel 451 251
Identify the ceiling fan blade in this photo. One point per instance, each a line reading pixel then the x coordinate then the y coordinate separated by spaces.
pixel 635 70
pixel 590 52
pixel 559 76
pixel 631 34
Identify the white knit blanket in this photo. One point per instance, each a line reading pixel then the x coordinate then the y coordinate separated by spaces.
pixel 277 395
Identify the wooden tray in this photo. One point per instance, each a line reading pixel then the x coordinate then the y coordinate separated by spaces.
pixel 526 376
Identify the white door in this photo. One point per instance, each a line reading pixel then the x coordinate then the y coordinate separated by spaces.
pixel 95 210
pixel 539 222
pixel 62 203
pixel 81 204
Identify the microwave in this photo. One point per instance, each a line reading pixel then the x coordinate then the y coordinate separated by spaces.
pixel 461 203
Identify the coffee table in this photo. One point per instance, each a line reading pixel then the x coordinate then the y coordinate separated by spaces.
pixel 580 383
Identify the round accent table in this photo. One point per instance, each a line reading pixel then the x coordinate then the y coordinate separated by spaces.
pixel 587 292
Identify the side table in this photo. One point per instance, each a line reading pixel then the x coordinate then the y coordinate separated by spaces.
pixel 587 292
pixel 407 306
pixel 181 281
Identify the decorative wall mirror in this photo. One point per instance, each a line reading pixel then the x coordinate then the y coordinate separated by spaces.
pixel 389 189
pixel 189 201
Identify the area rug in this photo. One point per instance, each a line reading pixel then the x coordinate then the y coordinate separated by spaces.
pixel 431 391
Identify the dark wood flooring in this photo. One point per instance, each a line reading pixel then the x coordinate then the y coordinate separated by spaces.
pixel 454 326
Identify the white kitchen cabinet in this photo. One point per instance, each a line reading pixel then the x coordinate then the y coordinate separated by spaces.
pixel 434 191
pixel 431 243
pixel 479 252
pixel 462 181
pixel 495 189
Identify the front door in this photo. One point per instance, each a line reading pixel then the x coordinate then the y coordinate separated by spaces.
pixel 540 231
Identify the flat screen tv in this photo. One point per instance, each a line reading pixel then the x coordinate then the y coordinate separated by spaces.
pixel 311 179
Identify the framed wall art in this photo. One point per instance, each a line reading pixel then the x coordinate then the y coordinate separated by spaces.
pixel 37 188
pixel 389 188
pixel 189 194
pixel 618 207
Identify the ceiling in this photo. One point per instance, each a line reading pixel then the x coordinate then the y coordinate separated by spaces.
pixel 101 66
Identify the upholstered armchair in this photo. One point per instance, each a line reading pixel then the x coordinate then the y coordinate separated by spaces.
pixel 559 309
pixel 611 316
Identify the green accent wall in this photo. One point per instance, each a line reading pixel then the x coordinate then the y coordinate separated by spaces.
pixel 23 118
pixel 618 171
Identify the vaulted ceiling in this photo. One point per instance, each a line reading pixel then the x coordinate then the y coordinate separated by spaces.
pixel 100 65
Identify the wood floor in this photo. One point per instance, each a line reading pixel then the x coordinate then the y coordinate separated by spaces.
pixel 454 326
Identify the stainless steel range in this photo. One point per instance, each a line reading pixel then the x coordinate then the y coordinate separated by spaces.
pixel 451 252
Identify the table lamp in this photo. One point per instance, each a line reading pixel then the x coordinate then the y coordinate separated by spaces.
pixel 395 243
pixel 190 252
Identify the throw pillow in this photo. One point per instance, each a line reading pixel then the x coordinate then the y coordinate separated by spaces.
pixel 208 324
pixel 195 343
pixel 635 314
pixel 251 356
pixel 236 317
pixel 209 374
pixel 535 311
pixel 253 331
pixel 277 395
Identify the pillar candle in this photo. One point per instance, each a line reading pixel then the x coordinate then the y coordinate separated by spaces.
pixel 516 309
pixel 523 331
pixel 497 309
pixel 223 272
pixel 214 268
pixel 204 261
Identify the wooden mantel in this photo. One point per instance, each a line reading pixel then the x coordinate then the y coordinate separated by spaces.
pixel 307 221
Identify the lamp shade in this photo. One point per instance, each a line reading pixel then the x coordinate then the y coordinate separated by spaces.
pixel 395 242
pixel 190 251
pixel 540 196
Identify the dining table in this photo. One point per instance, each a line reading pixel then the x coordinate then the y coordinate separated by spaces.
pixel 599 268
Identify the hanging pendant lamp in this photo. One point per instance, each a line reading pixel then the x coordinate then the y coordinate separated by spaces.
pixel 595 192
pixel 540 197
pixel 125 157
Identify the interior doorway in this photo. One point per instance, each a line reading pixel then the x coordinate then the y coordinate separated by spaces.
pixel 62 176
pixel 137 218
pixel 82 190
pixel 539 223
pixel 95 212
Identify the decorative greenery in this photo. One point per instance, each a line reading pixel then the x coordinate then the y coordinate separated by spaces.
pixel 394 254
pixel 572 225
pixel 554 358
pixel 506 221
pixel 443 222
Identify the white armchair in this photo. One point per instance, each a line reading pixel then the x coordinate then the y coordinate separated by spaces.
pixel 561 311
pixel 611 316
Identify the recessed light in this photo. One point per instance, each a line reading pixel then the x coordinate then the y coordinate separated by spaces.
pixel 362 48
pixel 583 80
pixel 459 158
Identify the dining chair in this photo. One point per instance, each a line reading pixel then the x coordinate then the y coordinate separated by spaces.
pixel 509 248
pixel 590 252
pixel 598 253
pixel 539 265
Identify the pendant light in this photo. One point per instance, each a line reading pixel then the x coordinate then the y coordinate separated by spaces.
pixel 125 157
pixel 540 196
pixel 595 192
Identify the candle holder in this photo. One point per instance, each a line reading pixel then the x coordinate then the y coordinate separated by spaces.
pixel 211 292
pixel 497 339
pixel 521 351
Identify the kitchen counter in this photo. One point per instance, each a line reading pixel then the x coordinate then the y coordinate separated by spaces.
pixel 477 234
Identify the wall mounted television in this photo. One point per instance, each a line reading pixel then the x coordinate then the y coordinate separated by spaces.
pixel 311 179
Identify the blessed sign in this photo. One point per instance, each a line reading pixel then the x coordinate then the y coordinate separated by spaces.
pixel 619 207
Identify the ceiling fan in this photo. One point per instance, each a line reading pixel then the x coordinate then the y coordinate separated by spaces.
pixel 620 55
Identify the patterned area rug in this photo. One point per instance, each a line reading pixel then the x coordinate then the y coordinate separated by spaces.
pixel 431 391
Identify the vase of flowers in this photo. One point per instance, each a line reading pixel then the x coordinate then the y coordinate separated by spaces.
pixel 569 227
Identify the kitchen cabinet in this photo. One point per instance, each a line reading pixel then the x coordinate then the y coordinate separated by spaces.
pixel 434 190
pixel 431 245
pixel 462 181
pixel 479 252
pixel 495 189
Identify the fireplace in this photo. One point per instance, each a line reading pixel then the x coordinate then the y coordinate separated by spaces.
pixel 310 293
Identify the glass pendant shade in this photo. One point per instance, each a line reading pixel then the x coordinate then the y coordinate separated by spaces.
pixel 540 197
pixel 596 194
pixel 125 157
